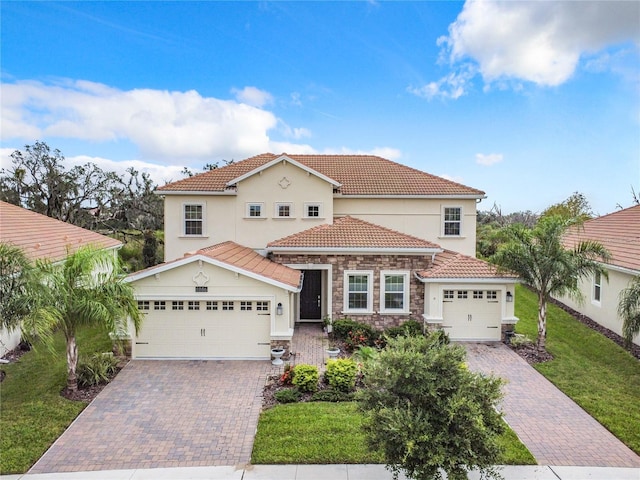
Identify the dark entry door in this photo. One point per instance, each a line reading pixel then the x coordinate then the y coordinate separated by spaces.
pixel 310 295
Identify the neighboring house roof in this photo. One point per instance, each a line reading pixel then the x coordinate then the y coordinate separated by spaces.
pixel 352 234
pixel 453 265
pixel 43 237
pixel 237 258
pixel 357 175
pixel 618 232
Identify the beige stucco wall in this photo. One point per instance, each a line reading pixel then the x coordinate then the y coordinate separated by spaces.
pixel 604 312
pixel 178 284
pixel 419 217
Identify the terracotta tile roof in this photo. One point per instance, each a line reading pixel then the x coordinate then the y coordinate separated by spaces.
pixel 349 232
pixel 619 232
pixel 247 259
pixel 44 237
pixel 358 175
pixel 450 264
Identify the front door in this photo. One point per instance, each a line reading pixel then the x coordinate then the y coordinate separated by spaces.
pixel 311 295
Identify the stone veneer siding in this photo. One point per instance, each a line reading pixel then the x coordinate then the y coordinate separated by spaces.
pixel 376 263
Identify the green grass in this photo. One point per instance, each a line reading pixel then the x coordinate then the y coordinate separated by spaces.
pixel 319 432
pixel 33 414
pixel 597 374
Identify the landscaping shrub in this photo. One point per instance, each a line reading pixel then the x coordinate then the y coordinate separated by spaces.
pixel 97 369
pixel 355 334
pixel 288 395
pixel 331 396
pixel 341 374
pixel 287 376
pixel 306 377
pixel 410 328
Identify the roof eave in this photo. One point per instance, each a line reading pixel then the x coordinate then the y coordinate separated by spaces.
pixel 430 196
pixel 468 279
pixel 195 192
pixel 365 250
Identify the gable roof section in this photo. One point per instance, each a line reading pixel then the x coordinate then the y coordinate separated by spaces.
pixel 43 237
pixel 352 234
pixel 619 232
pixel 450 265
pixel 358 175
pixel 236 258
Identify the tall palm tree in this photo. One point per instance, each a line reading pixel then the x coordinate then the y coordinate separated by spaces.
pixel 629 310
pixel 539 257
pixel 86 289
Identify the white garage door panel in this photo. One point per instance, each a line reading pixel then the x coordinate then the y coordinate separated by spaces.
pixel 472 319
pixel 205 334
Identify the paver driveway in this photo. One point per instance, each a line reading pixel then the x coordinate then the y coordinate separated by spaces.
pixel 165 414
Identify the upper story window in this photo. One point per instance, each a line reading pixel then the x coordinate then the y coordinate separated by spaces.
pixel 255 210
pixel 597 287
pixel 358 288
pixel 312 210
pixel 284 210
pixel 452 221
pixel 394 291
pixel 193 219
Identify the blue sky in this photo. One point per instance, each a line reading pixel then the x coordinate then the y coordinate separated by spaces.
pixel 529 101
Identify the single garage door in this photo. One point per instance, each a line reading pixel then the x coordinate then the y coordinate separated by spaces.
pixel 204 329
pixel 471 314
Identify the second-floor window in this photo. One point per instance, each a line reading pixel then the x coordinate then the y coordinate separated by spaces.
pixel 254 210
pixel 193 220
pixel 284 210
pixel 312 210
pixel 452 226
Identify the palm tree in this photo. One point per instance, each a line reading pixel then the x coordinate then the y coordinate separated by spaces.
pixel 629 310
pixel 539 257
pixel 87 288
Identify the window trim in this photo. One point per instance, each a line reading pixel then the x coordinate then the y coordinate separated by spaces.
pixel 596 289
pixel 313 204
pixel 203 226
pixel 445 221
pixel 276 210
pixel 405 291
pixel 248 210
pixel 369 275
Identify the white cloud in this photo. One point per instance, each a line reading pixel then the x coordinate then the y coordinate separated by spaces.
pixel 489 159
pixel 453 178
pixel 253 96
pixel 539 42
pixel 163 125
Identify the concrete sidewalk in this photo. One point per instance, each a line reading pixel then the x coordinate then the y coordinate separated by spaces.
pixel 325 472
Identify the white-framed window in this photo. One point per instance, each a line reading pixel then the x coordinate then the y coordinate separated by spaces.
pixel 312 210
pixel 227 306
pixel 394 291
pixel 193 305
pixel 193 214
pixel 448 294
pixel 462 294
pixel 255 210
pixel 597 287
pixel 262 306
pixel 246 306
pixel 478 294
pixel 143 304
pixel 177 305
pixel 212 305
pixel 283 210
pixel 358 291
pixel 452 221
pixel 161 305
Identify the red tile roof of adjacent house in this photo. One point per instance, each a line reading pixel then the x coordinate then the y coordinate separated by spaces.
pixel 247 259
pixel 352 233
pixel 450 264
pixel 619 232
pixel 43 237
pixel 358 175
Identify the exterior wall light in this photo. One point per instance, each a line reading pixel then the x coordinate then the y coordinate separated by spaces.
pixel 509 297
pixel 279 309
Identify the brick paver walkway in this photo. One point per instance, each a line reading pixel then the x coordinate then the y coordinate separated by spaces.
pixel 554 428
pixel 309 345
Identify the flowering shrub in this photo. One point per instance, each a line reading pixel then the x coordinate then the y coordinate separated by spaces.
pixel 287 377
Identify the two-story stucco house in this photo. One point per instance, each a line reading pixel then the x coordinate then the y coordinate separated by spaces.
pixel 619 232
pixel 255 246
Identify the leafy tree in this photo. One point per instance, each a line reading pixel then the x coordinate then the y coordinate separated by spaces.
pixel 539 257
pixel 17 277
pixel 85 289
pixel 426 411
pixel 150 249
pixel 629 310
pixel 575 207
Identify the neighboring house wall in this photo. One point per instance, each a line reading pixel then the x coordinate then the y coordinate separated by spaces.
pixel 9 340
pixel 420 217
pixel 376 265
pixel 604 311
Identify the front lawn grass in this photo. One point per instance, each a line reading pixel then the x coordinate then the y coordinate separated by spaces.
pixel 597 374
pixel 33 414
pixel 322 433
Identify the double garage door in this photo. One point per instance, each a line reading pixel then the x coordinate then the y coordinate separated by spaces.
pixel 204 329
pixel 472 314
